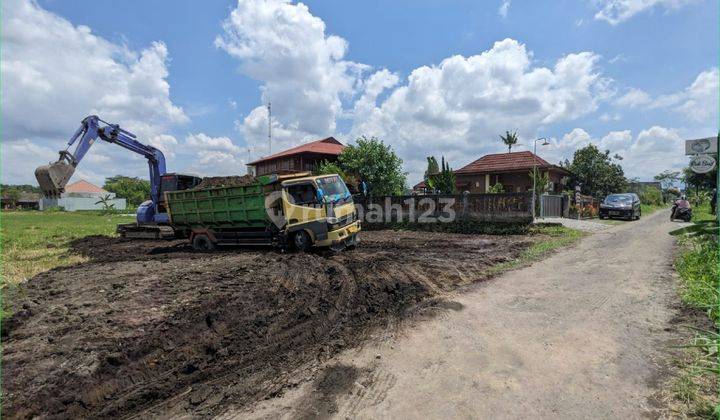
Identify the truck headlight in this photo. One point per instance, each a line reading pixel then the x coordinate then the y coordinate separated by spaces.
pixel 332 220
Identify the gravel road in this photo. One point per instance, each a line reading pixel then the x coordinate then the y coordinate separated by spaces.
pixel 583 334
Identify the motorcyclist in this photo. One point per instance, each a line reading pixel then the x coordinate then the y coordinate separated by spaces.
pixel 680 203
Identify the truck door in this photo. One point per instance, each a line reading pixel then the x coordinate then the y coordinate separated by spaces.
pixel 303 210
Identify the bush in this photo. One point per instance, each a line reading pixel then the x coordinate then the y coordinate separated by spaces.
pixel 496 189
pixel 698 268
pixel 651 196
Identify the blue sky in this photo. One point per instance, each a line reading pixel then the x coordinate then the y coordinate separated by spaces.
pixel 428 77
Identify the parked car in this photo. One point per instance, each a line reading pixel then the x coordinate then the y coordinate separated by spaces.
pixel 626 206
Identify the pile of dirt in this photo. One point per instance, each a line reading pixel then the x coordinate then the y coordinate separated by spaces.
pixel 226 181
pixel 147 328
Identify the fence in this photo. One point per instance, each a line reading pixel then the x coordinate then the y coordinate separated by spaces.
pixel 442 208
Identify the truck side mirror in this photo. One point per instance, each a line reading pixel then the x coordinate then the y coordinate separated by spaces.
pixel 320 195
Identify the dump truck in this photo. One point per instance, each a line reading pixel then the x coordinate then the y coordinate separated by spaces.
pixel 287 211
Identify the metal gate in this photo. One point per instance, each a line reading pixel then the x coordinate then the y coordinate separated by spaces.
pixel 553 206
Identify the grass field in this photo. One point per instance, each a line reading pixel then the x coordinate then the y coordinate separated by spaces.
pixel 33 241
pixel 695 386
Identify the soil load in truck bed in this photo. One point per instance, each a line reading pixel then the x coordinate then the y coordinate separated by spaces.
pixel 226 181
pixel 149 328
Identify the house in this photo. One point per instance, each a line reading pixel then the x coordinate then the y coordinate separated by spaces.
pixel 512 170
pixel 302 158
pixel 25 200
pixel 82 195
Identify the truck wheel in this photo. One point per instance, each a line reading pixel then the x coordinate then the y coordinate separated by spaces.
pixel 202 243
pixel 301 241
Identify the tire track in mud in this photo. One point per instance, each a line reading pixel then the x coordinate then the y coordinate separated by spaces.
pixel 149 328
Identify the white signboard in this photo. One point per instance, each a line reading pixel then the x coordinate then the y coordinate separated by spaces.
pixel 701 146
pixel 702 164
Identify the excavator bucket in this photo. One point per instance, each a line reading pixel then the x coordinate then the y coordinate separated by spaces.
pixel 53 178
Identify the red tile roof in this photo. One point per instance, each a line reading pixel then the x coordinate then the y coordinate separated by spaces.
pixel 500 162
pixel 83 186
pixel 327 146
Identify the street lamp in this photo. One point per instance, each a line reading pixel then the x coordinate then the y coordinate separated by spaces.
pixel 544 143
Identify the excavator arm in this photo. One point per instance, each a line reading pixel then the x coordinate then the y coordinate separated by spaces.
pixel 53 177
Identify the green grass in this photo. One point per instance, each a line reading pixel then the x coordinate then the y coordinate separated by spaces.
pixel 695 385
pixel 648 209
pixel 702 213
pixel 33 241
pixel 545 240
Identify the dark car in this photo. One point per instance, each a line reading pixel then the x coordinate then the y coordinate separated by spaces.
pixel 625 206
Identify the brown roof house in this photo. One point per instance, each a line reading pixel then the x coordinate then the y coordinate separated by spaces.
pixel 298 159
pixel 82 195
pixel 512 170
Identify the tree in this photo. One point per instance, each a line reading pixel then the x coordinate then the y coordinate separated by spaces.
pixel 12 195
pixel 701 182
pixel 668 178
pixel 432 168
pixel 597 173
pixel 541 181
pixel 134 190
pixel 376 163
pixel 442 181
pixel 327 167
pixel 510 139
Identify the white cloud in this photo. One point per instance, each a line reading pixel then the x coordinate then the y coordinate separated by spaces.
pixel 617 11
pixel 55 74
pixel 459 107
pixel 205 142
pixel 633 98
pixel 463 101
pixel 605 117
pixel 503 9
pixel 302 69
pixel 652 151
pixel 213 155
pixel 699 101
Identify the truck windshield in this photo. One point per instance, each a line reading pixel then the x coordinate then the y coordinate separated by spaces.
pixel 334 188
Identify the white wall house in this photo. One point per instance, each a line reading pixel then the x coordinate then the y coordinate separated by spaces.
pixel 82 195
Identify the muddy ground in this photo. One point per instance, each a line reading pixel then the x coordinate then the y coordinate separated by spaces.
pixel 149 327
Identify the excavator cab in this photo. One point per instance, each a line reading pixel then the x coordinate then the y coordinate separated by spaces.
pixel 175 182
pixel 53 177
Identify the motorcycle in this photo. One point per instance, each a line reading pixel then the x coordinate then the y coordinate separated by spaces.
pixel 682 213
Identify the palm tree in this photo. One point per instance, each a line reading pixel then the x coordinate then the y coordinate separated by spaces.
pixel 510 139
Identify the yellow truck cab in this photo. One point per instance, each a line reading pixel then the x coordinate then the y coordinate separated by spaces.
pixel 319 211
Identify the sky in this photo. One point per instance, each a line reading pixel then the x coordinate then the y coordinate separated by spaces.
pixel 636 77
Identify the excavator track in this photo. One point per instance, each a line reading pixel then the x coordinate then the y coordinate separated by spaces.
pixel 133 230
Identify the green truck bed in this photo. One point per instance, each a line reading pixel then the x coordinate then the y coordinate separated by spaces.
pixel 222 207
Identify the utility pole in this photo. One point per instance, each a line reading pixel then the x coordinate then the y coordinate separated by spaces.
pixel 269 129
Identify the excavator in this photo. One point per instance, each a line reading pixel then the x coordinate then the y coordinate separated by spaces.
pixel 152 219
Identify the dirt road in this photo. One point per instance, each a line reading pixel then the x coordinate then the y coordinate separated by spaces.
pixel 583 334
